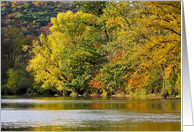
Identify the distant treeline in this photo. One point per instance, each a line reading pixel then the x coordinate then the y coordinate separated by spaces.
pixel 32 17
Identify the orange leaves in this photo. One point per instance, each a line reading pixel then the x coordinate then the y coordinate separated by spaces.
pixel 140 80
pixel 25 22
pixel 96 45
pixel 13 5
pixel 97 73
pixel 117 57
pixel 9 16
pixel 36 3
pixel 95 84
pixel 75 39
pixel 94 21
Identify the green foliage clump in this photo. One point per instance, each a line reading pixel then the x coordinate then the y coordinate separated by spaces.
pixel 93 7
pixel 17 81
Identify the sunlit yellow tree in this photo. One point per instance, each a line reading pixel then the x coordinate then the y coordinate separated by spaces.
pixel 163 50
pixel 68 57
pixel 149 36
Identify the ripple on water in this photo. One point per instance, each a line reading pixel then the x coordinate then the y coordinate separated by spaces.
pixel 78 118
pixel 7 101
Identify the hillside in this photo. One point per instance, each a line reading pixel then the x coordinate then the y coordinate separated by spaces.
pixel 32 17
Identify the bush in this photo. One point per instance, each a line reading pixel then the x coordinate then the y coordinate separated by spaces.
pixel 165 93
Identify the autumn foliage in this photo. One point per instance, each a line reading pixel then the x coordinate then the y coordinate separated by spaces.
pixel 107 48
pixel 32 13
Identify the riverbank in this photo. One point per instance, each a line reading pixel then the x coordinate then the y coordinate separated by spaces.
pixel 132 95
pixel 150 96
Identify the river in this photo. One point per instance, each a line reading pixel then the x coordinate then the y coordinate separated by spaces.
pixel 89 114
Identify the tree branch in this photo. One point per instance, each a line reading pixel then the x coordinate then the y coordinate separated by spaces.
pixel 173 31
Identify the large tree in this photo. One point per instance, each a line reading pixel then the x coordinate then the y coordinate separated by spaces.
pixel 69 57
pixel 146 36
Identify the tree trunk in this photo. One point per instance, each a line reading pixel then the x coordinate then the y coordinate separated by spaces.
pixel 75 92
pixel 163 76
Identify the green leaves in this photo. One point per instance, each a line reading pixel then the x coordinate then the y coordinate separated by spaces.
pixel 92 7
pixel 18 81
pixel 68 57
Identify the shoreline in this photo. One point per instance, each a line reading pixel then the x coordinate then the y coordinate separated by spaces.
pixel 148 96
pixel 151 96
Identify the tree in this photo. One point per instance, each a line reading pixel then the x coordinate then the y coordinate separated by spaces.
pixel 18 81
pixel 11 47
pixel 93 7
pixel 164 48
pixel 67 58
pixel 154 47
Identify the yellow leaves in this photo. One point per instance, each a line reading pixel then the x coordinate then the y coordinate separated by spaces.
pixel 94 21
pixel 48 62
pixel 54 20
pixel 45 63
pixel 73 24
pixel 168 72
pixel 114 21
pixel 149 37
pixel 25 47
pixel 165 15
pixel 139 80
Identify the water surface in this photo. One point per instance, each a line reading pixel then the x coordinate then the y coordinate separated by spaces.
pixel 89 114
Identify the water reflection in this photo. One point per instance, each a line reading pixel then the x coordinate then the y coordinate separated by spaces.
pixel 78 114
